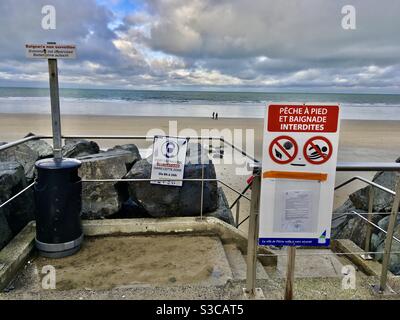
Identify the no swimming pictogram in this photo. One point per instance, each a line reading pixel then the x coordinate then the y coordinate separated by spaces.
pixel 317 150
pixel 283 149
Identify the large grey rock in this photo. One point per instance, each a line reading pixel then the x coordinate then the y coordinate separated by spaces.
pixel 19 211
pixel 133 149
pixel 24 155
pixel 75 148
pixel 378 245
pixel 223 211
pixel 165 201
pixel 40 146
pixel 353 228
pixel 5 231
pixel 100 200
pixel 382 200
pixel 346 226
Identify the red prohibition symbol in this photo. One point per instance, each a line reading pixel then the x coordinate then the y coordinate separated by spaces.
pixel 283 149
pixel 317 150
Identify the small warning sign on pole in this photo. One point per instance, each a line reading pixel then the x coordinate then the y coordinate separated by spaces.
pixel 298 174
pixel 50 51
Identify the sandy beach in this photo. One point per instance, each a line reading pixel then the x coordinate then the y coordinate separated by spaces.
pixel 360 140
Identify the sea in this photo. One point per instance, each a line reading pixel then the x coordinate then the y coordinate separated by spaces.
pixel 190 103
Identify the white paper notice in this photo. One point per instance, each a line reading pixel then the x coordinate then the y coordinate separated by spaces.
pixel 297 211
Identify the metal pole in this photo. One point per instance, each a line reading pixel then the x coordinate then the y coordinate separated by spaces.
pixel 253 235
pixel 237 213
pixel 55 108
pixel 202 191
pixel 368 234
pixel 389 238
pixel 290 273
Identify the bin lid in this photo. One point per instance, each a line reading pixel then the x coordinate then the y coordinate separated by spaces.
pixel 51 164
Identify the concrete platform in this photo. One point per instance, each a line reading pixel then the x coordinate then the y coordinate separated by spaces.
pixel 312 263
pixel 174 258
pixel 132 254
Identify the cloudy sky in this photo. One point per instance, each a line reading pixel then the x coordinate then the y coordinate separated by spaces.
pixel 265 45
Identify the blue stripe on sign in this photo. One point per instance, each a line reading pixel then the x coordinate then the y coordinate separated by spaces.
pixel 312 242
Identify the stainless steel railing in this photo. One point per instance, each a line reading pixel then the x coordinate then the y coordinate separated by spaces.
pixel 137 137
pixel 254 215
pixel 345 166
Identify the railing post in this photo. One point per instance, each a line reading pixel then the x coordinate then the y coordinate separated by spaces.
pixel 253 235
pixel 237 213
pixel 389 238
pixel 202 191
pixel 371 195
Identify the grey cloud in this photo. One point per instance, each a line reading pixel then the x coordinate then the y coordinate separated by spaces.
pixel 205 43
pixel 300 29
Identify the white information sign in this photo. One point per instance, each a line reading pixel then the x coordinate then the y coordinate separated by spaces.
pixel 298 174
pixel 50 51
pixel 169 156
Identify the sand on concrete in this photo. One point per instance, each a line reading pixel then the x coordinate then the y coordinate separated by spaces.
pixel 122 261
pixel 360 140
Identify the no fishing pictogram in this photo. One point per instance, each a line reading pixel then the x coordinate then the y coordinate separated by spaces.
pixel 283 149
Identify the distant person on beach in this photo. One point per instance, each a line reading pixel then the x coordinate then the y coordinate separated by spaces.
pixel 216 116
pixel 213 114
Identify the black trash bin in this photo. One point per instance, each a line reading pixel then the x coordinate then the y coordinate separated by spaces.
pixel 58 196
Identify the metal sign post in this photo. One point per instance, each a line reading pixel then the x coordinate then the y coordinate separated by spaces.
pixel 252 242
pixel 55 108
pixel 290 273
pixel 52 51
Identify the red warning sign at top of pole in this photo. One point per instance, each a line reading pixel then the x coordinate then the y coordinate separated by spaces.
pixel 303 118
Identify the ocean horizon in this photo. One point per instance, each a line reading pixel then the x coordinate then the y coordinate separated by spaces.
pixel 114 102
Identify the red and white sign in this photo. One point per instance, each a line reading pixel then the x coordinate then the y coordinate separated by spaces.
pixel 300 149
pixel 50 51
pixel 302 118
pixel 317 150
pixel 283 149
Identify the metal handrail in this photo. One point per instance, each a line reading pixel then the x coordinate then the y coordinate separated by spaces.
pixel 167 179
pixel 346 166
pixel 133 137
pixel 375 225
pixel 20 141
pixel 241 195
pixel 374 184
pixel 364 167
pixel 16 195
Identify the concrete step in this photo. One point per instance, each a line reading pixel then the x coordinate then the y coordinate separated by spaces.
pixel 237 262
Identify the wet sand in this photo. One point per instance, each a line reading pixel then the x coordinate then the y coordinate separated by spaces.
pixel 360 140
